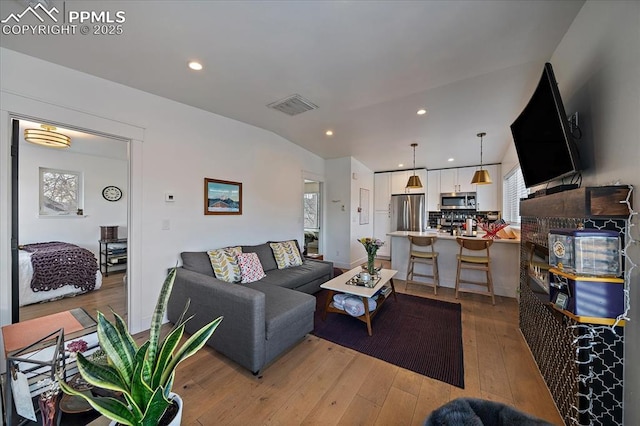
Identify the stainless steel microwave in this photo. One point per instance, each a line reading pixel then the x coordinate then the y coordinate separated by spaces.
pixel 458 201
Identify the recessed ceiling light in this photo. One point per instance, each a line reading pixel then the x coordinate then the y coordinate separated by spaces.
pixel 400 165
pixel 329 133
pixel 450 159
pixel 422 111
pixel 196 66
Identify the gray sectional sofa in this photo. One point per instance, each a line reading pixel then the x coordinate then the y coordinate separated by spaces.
pixel 261 319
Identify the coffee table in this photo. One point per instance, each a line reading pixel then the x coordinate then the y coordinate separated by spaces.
pixel 339 284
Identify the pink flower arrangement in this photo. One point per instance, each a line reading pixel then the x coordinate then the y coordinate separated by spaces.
pixel 77 346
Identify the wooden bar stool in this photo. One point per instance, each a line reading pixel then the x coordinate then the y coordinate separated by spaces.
pixel 426 257
pixel 478 263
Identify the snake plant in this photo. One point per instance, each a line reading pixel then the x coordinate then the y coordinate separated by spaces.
pixel 144 374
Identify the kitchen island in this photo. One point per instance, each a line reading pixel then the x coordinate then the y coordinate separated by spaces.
pixel 505 261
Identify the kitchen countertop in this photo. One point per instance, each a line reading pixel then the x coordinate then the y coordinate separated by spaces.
pixel 446 236
pixel 505 260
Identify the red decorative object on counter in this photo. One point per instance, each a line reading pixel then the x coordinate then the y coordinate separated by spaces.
pixel 492 229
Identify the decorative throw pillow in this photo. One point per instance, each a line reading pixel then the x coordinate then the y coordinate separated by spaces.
pixel 286 254
pixel 224 263
pixel 250 267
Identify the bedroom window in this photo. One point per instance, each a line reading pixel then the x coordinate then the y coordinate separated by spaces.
pixel 60 192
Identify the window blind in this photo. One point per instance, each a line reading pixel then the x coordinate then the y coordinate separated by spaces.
pixel 513 189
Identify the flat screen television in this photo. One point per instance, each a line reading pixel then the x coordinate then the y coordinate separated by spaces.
pixel 546 149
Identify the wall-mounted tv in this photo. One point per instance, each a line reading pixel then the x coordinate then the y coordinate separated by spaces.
pixel 546 149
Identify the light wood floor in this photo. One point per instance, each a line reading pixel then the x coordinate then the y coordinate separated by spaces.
pixel 321 383
pixel 111 295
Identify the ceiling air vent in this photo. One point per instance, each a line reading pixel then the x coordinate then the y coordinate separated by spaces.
pixel 293 105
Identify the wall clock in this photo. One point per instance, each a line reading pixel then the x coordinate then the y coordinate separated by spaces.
pixel 111 193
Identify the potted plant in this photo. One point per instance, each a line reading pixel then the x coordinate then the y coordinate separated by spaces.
pixel 144 374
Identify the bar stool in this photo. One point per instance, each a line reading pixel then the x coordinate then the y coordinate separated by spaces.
pixel 478 263
pixel 426 257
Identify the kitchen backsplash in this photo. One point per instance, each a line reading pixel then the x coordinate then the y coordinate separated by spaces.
pixel 447 220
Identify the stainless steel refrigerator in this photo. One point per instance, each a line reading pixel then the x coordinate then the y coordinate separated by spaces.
pixel 408 212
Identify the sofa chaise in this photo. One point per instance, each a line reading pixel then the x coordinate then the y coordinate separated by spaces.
pixel 262 319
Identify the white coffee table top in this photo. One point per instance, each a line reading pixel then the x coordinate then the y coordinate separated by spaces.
pixel 339 283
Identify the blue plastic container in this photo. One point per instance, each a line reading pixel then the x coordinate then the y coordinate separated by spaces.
pixel 597 297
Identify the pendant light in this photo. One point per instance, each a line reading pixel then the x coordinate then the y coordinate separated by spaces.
pixel 481 177
pixel 414 181
pixel 47 136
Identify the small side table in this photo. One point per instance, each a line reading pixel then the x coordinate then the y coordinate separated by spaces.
pixel 27 343
pixel 113 255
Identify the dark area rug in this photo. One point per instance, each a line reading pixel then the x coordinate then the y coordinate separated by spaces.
pixel 419 334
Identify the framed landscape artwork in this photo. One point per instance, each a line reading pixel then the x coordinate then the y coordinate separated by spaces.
pixel 222 197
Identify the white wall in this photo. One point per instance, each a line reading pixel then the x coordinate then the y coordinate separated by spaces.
pixel 361 177
pixel 97 172
pixel 343 219
pixel 338 208
pixel 509 161
pixel 180 146
pixel 597 66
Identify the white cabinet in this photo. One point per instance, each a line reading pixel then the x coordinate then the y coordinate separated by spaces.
pixel 424 178
pixel 465 175
pixel 433 190
pixel 399 182
pixel 389 183
pixel 457 180
pixel 382 226
pixel 422 174
pixel 449 180
pixel 385 185
pixel 489 197
pixel 381 191
pixel 382 213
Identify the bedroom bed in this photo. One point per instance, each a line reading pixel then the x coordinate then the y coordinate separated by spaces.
pixel 61 259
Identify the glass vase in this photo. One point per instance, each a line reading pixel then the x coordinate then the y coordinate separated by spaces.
pixel 371 267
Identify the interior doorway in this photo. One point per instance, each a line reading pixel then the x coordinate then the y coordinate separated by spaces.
pixel 44 210
pixel 313 240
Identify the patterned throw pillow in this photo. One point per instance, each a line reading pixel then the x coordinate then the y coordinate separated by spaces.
pixel 224 263
pixel 250 267
pixel 286 254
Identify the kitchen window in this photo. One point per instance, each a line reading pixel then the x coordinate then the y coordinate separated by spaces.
pixel 513 189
